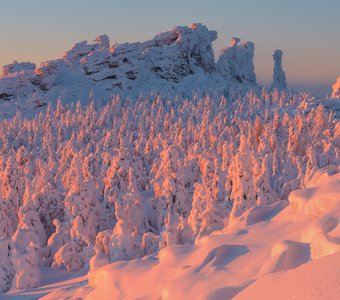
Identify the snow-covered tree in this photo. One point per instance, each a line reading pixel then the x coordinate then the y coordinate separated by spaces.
pixel 25 261
pixel 6 267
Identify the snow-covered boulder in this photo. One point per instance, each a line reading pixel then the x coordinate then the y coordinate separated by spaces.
pixel 279 76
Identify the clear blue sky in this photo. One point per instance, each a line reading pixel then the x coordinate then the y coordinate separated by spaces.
pixel 308 31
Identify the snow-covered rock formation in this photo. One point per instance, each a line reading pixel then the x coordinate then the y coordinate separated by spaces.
pixel 336 89
pixel 279 76
pixel 168 58
pixel 236 62
pixel 178 60
pixel 16 67
pixel 150 176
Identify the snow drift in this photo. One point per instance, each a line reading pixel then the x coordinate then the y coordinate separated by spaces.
pixel 239 264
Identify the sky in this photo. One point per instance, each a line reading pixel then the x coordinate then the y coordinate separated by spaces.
pixel 307 31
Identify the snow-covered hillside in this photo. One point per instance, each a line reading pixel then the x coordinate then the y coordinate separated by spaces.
pixel 181 175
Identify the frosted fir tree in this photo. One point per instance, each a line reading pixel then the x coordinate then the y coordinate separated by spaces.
pixel 336 89
pixel 29 220
pixel 82 209
pixel 102 249
pixel 312 165
pixel 209 208
pixel 265 195
pixel 68 257
pixel 204 218
pixel 12 190
pixel 241 178
pixel 6 268
pixel 5 224
pixel 48 203
pixel 58 239
pixel 320 122
pixel 116 180
pixel 25 261
pixel 132 224
pixel 173 184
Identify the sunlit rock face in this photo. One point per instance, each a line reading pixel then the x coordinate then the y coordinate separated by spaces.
pixel 336 89
pixel 236 62
pixel 279 76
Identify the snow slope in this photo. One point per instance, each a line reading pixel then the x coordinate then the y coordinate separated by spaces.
pixel 287 250
pixel 252 255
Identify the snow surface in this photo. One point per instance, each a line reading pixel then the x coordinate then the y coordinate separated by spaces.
pixel 262 242
pixel 264 254
pixel 254 259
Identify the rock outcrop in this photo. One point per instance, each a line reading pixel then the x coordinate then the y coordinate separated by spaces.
pixel 181 59
pixel 236 62
pixel 279 76
pixel 16 67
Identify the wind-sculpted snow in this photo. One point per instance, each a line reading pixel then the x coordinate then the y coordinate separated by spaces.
pixel 124 180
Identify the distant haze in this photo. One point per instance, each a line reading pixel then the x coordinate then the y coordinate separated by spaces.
pixel 307 31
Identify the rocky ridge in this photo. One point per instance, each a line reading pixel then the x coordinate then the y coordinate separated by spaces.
pixel 170 61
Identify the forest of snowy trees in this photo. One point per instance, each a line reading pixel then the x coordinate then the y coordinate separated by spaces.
pixel 91 185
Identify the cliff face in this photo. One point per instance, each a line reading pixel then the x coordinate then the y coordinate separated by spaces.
pixel 181 58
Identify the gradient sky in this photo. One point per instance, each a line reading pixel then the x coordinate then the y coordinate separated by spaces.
pixel 308 31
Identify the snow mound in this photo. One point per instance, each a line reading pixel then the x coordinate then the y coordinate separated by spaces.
pixel 286 255
pixel 222 255
pixel 315 280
